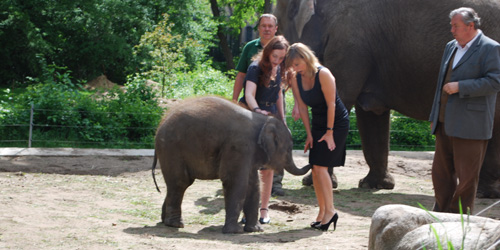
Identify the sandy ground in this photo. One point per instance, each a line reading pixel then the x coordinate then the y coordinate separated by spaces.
pixel 110 202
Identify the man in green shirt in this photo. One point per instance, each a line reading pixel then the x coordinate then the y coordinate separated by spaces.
pixel 267 27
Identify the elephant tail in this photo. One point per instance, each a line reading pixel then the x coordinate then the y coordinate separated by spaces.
pixel 153 172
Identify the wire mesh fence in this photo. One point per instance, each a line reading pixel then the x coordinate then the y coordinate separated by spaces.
pixel 78 129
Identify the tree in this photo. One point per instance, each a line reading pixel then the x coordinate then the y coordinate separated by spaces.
pixel 231 16
pixel 90 37
pixel 165 50
pixel 192 19
pixel 222 37
pixel 268 6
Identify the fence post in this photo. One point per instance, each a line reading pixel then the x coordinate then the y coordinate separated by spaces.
pixel 31 125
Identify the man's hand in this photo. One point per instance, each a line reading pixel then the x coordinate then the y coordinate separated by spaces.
pixel 451 88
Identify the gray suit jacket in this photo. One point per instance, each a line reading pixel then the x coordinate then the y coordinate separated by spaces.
pixel 469 113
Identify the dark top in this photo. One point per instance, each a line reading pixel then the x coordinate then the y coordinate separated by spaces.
pixel 319 154
pixel 315 99
pixel 266 97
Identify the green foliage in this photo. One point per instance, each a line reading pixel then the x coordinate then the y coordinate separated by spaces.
pixel 299 135
pixel 165 54
pixel 66 113
pixel 192 20
pixel 171 54
pixel 353 138
pixel 204 80
pixel 415 134
pixel 236 13
pixel 90 37
pixel 22 43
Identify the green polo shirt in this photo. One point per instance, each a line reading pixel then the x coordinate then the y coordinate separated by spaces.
pixel 250 49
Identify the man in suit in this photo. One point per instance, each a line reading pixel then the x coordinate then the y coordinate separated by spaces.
pixel 463 111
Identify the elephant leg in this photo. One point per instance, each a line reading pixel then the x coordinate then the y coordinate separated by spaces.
pixel 374 133
pixel 308 181
pixel 171 210
pixel 176 187
pixel 489 178
pixel 251 204
pixel 235 195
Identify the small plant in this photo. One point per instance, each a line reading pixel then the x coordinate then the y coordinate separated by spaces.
pixel 165 54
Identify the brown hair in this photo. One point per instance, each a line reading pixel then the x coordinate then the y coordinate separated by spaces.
pixel 277 43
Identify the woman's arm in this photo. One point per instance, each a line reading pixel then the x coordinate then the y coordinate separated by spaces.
pixel 250 90
pixel 290 75
pixel 328 87
pixel 304 114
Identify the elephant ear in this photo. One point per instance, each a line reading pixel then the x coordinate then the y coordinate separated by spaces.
pixel 305 12
pixel 267 139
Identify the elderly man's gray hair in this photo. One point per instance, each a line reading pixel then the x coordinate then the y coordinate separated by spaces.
pixel 469 15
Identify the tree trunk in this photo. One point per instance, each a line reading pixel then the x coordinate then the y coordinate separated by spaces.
pixel 268 6
pixel 228 56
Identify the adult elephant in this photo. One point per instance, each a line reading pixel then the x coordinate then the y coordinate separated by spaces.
pixel 385 55
pixel 212 138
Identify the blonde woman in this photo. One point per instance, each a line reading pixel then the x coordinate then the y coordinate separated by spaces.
pixel 314 86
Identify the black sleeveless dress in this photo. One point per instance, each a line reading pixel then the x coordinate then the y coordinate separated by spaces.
pixel 319 154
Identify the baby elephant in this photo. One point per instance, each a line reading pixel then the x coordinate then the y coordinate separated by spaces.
pixel 212 138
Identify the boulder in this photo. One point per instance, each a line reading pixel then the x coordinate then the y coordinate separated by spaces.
pixel 405 227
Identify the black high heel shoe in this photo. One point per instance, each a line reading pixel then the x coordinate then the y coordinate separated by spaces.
pixel 324 227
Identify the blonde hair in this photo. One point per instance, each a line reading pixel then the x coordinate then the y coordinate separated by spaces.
pixel 302 51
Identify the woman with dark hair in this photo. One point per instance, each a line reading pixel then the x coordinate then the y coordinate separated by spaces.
pixel 263 94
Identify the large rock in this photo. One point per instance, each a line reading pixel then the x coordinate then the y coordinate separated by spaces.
pixel 405 227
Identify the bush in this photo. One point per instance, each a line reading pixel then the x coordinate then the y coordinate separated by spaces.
pixel 410 134
pixel 202 81
pixel 353 139
pixel 66 115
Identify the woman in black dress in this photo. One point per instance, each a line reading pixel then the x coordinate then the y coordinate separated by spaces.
pixel 314 86
pixel 263 94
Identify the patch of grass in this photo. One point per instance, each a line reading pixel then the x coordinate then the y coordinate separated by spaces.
pixel 141 203
pixel 206 219
pixel 142 213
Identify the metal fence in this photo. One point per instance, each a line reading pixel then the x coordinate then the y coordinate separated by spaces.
pixel 34 129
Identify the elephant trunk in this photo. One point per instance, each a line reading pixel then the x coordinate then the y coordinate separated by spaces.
pixel 292 169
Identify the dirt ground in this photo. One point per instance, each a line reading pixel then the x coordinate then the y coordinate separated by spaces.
pixel 110 202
